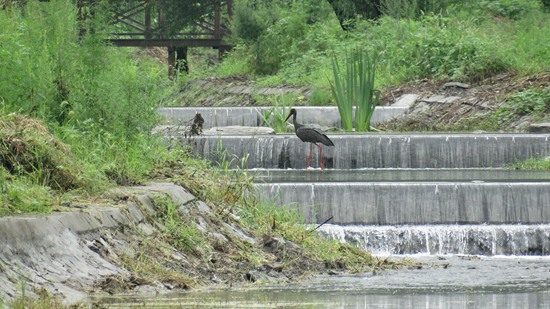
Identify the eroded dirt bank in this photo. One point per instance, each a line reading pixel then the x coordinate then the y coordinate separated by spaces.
pixel 119 245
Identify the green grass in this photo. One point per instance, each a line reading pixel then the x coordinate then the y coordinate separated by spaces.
pixel 462 41
pixel 534 102
pixel 532 164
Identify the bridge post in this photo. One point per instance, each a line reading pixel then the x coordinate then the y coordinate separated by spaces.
pixel 147 32
pixel 177 60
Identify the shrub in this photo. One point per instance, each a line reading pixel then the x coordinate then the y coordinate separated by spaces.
pixel 512 9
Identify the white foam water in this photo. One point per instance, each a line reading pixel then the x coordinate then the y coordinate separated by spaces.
pixel 480 239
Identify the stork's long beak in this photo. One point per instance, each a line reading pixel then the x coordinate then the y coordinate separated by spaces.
pixel 290 114
pixel 288 117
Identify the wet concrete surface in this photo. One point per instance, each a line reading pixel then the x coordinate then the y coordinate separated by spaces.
pixel 396 175
pixel 327 116
pixel 437 239
pixel 391 203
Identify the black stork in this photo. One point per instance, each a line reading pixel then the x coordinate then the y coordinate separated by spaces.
pixel 310 135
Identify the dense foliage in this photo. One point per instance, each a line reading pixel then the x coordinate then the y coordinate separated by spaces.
pixel 100 100
pixel 292 42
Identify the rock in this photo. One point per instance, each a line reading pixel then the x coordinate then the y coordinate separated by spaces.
pixel 239 234
pixel 406 100
pixel 239 130
pixel 170 130
pixel 275 243
pixel 203 207
pixel 539 127
pixel 256 276
pixel 292 245
pixel 179 195
pixel 277 266
pixel 437 98
pixel 456 85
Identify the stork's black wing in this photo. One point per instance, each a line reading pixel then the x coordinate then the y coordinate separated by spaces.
pixel 313 135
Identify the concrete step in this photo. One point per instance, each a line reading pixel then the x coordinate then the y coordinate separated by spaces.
pixel 415 203
pixel 250 116
pixel 352 151
pixel 397 175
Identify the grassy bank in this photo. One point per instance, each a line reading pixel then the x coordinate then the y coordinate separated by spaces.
pixel 464 41
pixel 97 101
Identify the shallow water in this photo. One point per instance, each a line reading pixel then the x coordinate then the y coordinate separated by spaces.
pixel 449 281
pixel 397 175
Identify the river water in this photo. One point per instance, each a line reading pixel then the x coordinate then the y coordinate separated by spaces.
pixel 442 281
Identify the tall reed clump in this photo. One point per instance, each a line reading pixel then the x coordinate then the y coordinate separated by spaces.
pixel 354 87
pixel 97 98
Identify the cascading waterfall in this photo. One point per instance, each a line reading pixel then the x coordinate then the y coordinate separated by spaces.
pixel 445 239
pixel 388 151
pixel 410 212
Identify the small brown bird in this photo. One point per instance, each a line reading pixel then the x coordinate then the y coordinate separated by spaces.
pixel 310 135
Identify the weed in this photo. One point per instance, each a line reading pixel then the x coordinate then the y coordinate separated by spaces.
pixel 230 190
pixel 532 164
pixel 148 264
pixel 423 39
pixel 96 98
pixel 275 116
pixel 533 101
pixel 512 9
pixel 320 97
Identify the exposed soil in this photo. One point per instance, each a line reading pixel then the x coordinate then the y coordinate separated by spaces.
pixel 219 251
pixel 471 103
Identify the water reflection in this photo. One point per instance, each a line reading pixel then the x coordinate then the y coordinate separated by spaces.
pixel 338 299
pixel 278 300
pixel 443 282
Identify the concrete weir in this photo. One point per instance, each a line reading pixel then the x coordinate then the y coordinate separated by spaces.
pixel 376 150
pixel 417 203
pixel 251 116
pixel 399 175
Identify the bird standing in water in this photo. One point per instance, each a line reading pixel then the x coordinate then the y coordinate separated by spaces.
pixel 310 135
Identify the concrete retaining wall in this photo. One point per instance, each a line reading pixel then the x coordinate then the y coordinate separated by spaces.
pixel 414 203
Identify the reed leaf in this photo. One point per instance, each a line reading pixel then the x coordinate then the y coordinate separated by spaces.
pixel 355 88
pixel 341 94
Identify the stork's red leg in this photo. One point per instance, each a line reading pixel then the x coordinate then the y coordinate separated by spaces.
pixel 309 156
pixel 320 156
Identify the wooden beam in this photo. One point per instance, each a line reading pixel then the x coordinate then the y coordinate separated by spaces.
pixel 170 42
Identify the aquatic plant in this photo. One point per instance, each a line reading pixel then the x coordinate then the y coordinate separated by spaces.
pixel 354 87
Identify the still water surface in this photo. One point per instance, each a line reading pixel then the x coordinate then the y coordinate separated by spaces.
pixel 449 281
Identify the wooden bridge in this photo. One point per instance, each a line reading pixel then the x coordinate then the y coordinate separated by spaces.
pixel 143 23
